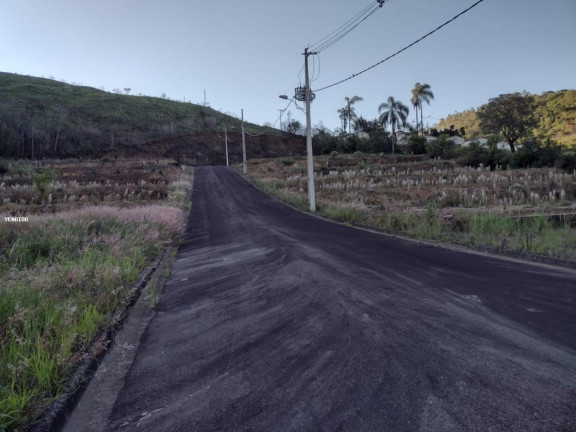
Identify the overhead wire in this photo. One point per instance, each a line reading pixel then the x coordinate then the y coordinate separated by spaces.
pixel 351 20
pixel 331 42
pixel 314 63
pixel 283 111
pixel 299 74
pixel 254 135
pixel 347 27
pixel 401 50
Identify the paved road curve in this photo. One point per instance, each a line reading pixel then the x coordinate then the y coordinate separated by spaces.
pixel 274 320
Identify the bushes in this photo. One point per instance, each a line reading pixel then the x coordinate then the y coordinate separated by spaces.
pixel 417 144
pixel 488 154
pixel 442 148
pixel 536 154
pixel 326 143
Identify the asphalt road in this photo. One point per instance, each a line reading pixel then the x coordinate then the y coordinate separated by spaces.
pixel 274 320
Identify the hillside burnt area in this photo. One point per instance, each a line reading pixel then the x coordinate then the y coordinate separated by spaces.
pixel 209 149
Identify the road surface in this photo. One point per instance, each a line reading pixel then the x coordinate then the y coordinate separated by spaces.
pixel 274 320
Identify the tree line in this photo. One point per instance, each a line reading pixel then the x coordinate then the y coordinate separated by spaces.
pixel 392 113
pixel 551 115
pixel 515 118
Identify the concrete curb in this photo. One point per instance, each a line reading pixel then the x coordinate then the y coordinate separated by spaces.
pixel 53 415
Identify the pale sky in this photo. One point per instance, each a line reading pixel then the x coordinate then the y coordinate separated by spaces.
pixel 246 53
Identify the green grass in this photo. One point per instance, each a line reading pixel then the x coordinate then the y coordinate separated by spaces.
pixel 536 235
pixel 343 214
pixel 60 279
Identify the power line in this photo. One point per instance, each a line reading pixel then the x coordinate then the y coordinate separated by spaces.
pixel 257 135
pixel 300 73
pixel 402 50
pixel 328 44
pixel 283 111
pixel 315 75
pixel 346 28
pixel 342 27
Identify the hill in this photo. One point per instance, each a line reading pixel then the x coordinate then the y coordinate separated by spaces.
pixel 43 118
pixel 555 111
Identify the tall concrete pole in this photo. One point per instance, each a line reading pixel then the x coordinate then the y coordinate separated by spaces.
pixel 309 159
pixel 226 143
pixel 244 164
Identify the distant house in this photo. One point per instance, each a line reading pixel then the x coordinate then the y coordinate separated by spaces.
pixel 458 140
pixel 362 135
pixel 402 137
pixel 502 145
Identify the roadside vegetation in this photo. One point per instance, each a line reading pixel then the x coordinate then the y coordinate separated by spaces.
pixel 92 229
pixel 522 210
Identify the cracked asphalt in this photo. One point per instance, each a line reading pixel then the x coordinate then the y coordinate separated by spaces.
pixel 274 320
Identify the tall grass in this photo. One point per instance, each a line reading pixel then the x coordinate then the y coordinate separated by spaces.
pixel 412 199
pixel 61 276
pixel 536 235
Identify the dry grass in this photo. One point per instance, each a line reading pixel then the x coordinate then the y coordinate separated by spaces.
pixel 64 272
pixel 439 200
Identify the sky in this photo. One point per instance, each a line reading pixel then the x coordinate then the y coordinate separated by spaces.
pixel 244 54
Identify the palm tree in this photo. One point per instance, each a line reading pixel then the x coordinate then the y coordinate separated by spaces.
pixel 416 104
pixel 350 109
pixel 343 116
pixel 393 112
pixel 421 93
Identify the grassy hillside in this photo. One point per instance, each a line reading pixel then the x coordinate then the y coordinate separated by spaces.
pixel 555 111
pixel 45 118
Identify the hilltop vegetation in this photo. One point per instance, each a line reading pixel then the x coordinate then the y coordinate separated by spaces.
pixel 555 114
pixel 41 118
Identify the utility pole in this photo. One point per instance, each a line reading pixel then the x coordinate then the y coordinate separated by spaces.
pixel 244 164
pixel 226 143
pixel 281 111
pixel 309 160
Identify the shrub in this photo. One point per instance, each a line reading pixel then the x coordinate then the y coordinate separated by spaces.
pixel 417 144
pixel 441 148
pixel 533 153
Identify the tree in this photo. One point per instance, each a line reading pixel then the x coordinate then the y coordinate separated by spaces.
pixel 369 126
pixel 294 127
pixel 343 116
pixel 350 109
pixel 393 112
pixel 421 93
pixel 511 115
